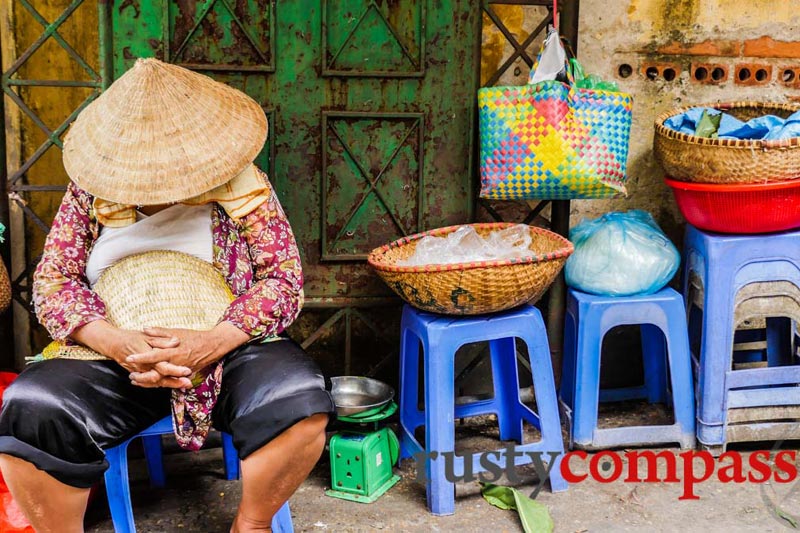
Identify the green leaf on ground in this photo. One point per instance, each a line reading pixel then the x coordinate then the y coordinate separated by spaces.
pixel 534 516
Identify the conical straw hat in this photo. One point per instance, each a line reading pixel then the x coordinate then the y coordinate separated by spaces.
pixel 156 289
pixel 162 134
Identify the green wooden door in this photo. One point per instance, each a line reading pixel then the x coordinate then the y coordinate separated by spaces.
pixel 370 104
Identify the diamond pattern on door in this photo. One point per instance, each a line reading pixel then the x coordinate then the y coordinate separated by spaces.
pixel 372 181
pixel 373 38
pixel 202 31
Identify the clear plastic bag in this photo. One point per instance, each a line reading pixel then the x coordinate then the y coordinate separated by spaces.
pixel 465 245
pixel 621 254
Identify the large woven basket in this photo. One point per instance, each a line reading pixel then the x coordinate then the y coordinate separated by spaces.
pixel 160 288
pixel 698 159
pixel 473 288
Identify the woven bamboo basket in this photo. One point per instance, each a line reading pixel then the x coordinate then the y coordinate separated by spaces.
pixel 5 288
pixel 159 288
pixel 473 288
pixel 692 158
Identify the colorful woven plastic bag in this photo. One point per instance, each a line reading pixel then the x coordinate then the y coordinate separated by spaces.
pixel 553 141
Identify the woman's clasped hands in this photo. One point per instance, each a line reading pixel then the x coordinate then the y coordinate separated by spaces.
pixel 161 357
pixel 176 354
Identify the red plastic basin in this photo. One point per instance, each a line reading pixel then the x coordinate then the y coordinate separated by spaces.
pixel 741 208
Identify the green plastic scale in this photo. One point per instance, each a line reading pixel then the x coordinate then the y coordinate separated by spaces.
pixel 362 458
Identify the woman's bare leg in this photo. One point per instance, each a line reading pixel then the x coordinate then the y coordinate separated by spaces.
pixel 272 473
pixel 270 476
pixel 49 505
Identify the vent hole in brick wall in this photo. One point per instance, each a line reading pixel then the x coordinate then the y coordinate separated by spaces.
pixel 761 74
pixel 744 74
pixel 651 73
pixel 718 74
pixel 788 76
pixel 700 73
pixel 625 70
pixel 669 74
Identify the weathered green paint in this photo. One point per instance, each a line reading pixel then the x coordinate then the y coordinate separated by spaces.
pixel 387 39
pixel 371 106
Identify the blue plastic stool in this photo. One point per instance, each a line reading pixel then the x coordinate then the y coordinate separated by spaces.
pixel 441 337
pixel 588 320
pixel 118 486
pixel 724 265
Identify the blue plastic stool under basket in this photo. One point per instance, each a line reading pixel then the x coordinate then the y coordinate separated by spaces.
pixel 441 336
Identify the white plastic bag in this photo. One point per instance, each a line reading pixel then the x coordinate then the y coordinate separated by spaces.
pixel 621 254
pixel 465 245
pixel 552 60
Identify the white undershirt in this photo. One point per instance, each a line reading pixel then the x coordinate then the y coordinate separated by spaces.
pixel 180 228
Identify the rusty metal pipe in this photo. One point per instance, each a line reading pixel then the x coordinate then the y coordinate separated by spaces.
pixel 559 223
pixel 104 32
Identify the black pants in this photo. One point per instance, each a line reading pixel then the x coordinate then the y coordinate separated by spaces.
pixel 61 414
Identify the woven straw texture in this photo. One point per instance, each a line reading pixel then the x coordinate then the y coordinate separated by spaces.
pixel 162 134
pixel 56 350
pixel 553 141
pixel 691 158
pixel 473 288
pixel 5 288
pixel 164 289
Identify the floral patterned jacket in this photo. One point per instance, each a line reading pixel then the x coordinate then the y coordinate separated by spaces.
pixel 257 255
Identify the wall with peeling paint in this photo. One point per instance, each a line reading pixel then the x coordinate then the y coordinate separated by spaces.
pixel 681 33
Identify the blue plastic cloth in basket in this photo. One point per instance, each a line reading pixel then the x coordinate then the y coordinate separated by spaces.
pixel 766 128
pixel 621 254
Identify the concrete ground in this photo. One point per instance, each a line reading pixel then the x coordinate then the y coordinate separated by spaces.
pixel 198 499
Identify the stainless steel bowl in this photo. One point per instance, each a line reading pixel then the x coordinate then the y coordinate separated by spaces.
pixel 355 394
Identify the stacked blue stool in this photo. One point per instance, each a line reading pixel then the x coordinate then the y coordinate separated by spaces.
pixel 118 486
pixel 589 318
pixel 725 266
pixel 441 336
